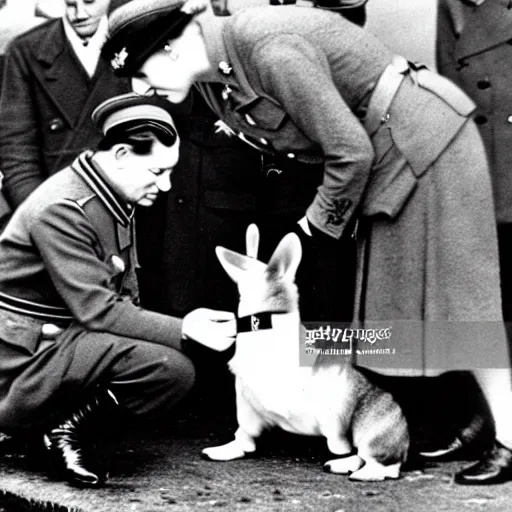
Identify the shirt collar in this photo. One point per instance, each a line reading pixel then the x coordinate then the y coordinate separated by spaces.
pixel 95 41
pixel 88 171
pixel 89 54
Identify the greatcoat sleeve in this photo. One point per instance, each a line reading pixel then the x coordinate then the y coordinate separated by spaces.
pixel 299 78
pixel 68 245
pixel 20 140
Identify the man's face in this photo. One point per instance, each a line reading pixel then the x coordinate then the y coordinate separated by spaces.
pixel 140 178
pixel 85 15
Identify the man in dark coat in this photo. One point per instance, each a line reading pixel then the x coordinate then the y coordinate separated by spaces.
pixel 73 341
pixel 54 78
pixel 474 50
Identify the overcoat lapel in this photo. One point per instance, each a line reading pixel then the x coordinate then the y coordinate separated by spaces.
pixel 100 84
pixel 56 59
pixel 485 26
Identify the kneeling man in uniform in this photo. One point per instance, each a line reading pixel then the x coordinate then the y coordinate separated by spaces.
pixel 74 343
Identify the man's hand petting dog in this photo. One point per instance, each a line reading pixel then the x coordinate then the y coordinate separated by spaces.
pixel 209 327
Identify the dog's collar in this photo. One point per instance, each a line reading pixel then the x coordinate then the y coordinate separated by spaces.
pixel 251 323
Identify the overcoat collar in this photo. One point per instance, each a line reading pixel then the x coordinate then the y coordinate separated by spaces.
pixel 61 71
pixel 51 44
pixel 485 27
pixel 57 78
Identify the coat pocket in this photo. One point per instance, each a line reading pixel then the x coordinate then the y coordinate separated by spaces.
pixel 264 114
pixel 392 180
pixel 19 330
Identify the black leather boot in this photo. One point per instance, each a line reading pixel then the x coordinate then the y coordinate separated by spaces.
pixel 494 468
pixel 71 445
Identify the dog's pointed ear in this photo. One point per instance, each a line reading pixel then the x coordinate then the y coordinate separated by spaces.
pixel 286 258
pixel 234 263
pixel 252 241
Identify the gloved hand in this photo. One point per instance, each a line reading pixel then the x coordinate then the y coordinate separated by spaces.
pixel 212 328
pixel 311 234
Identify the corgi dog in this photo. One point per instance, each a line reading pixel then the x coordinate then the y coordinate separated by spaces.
pixel 365 428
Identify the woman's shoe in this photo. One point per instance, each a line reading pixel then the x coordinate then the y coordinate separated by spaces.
pixel 494 468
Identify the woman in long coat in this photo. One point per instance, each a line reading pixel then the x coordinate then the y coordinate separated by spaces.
pixel 404 169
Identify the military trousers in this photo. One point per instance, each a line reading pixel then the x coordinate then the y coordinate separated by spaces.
pixel 43 381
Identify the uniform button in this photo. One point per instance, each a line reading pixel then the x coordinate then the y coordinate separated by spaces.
pixel 56 124
pixel 483 84
pixel 226 92
pixel 291 155
pixel 480 119
pixel 181 200
pixel 225 68
pixel 509 119
pixel 250 120
pixel 264 141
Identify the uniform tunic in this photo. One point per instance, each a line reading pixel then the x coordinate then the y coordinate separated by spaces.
pixel 67 258
pixel 297 83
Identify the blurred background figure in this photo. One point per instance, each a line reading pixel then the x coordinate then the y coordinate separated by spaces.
pixel 16 17
pixel 53 79
pixel 414 27
pixel 354 10
pixel 474 50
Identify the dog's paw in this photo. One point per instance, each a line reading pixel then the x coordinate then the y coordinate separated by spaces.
pixel 229 451
pixel 344 466
pixel 376 472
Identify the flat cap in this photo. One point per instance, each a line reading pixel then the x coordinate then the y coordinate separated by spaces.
pixel 138 28
pixel 132 108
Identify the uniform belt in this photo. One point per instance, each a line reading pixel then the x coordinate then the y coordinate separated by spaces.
pixel 34 309
pixel 384 92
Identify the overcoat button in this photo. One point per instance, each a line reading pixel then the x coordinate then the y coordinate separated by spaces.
pixel 483 84
pixel 509 119
pixel 480 119
pixel 181 200
pixel 291 155
pixel 56 124
pixel 250 120
pixel 264 141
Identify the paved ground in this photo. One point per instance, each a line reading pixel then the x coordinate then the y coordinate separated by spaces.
pixel 165 473
pixel 160 469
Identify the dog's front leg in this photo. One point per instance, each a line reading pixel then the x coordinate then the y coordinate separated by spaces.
pixel 250 427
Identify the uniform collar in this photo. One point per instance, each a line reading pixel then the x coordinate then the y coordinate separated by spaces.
pixel 212 28
pixel 222 54
pixel 88 171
